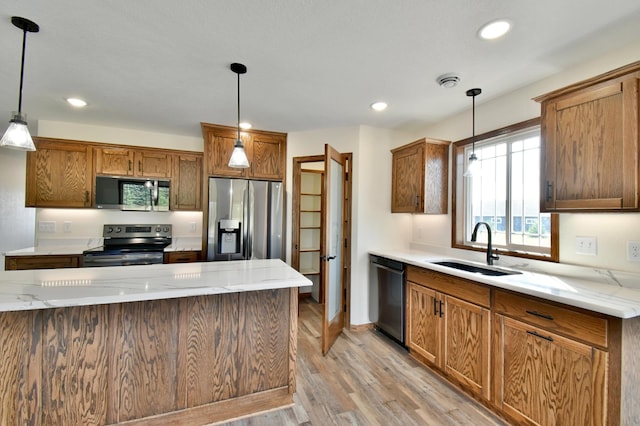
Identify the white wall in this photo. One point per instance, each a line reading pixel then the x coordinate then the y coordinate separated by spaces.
pixel 115 135
pixel 611 230
pixel 16 221
pixel 373 224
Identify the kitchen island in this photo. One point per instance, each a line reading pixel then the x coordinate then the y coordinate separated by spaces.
pixel 153 344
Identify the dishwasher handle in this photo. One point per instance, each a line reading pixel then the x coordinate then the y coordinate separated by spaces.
pixel 387 268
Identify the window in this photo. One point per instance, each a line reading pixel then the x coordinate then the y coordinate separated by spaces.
pixel 505 194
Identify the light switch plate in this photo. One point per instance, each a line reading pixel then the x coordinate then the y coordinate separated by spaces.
pixel 587 245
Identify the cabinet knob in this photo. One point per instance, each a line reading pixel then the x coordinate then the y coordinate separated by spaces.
pixel 129 165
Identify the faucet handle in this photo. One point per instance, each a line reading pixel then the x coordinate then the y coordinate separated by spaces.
pixel 494 254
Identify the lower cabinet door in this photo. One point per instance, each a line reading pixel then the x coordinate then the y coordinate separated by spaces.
pixel 546 379
pixel 423 322
pixel 466 345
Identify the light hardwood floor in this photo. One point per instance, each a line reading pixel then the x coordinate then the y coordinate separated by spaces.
pixel 366 380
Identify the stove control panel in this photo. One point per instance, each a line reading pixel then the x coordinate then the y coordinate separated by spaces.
pixel 136 231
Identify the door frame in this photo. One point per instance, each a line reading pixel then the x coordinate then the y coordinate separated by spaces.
pixel 346 232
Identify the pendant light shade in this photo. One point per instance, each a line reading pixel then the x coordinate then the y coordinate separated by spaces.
pixel 238 158
pixel 17 135
pixel 473 166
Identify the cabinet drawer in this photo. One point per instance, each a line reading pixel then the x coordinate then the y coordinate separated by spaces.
pixel 451 285
pixel 181 257
pixel 13 263
pixel 579 325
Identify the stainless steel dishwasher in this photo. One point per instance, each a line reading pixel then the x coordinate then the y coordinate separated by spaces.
pixel 387 296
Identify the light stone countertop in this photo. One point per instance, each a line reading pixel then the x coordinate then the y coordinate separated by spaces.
pixel 76 247
pixel 53 288
pixel 604 291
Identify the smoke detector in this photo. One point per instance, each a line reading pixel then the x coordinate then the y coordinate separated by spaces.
pixel 448 80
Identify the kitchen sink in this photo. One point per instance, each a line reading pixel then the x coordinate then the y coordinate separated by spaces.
pixel 494 272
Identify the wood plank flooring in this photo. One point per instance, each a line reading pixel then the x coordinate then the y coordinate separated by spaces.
pixel 366 380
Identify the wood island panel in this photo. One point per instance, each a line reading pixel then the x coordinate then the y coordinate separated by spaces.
pixel 146 342
pixel 197 359
pixel 263 352
pixel 211 342
pixel 20 369
pixel 75 353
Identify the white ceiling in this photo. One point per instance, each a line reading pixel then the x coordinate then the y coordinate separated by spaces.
pixel 163 65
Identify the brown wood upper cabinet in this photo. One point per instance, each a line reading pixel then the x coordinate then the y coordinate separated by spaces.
pixel 590 144
pixel 121 161
pixel 420 177
pixel 266 152
pixel 59 174
pixel 186 183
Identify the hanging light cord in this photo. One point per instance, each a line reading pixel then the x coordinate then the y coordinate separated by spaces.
pixel 473 125
pixel 239 106
pixel 24 45
pixel 473 93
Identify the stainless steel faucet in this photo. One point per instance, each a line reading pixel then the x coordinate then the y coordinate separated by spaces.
pixel 490 256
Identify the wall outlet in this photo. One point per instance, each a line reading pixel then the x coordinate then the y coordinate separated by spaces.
pixel 66 226
pixel 587 245
pixel 46 227
pixel 633 251
pixel 192 226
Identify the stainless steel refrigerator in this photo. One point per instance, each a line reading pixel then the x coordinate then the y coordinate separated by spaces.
pixel 245 220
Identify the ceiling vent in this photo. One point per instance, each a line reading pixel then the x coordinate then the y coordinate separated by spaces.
pixel 448 80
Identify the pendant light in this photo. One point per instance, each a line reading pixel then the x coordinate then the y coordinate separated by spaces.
pixel 17 135
pixel 238 158
pixel 473 166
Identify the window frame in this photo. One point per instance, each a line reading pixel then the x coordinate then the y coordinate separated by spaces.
pixel 458 196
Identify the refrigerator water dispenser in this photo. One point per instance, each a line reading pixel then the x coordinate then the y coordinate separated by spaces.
pixel 229 236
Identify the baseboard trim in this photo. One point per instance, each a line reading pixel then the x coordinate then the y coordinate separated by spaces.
pixel 358 328
pixel 221 411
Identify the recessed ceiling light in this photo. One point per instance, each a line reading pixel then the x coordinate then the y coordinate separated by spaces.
pixel 245 125
pixel 379 106
pixel 76 102
pixel 495 29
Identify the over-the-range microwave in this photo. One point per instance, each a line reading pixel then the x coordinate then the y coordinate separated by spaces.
pixel 127 193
